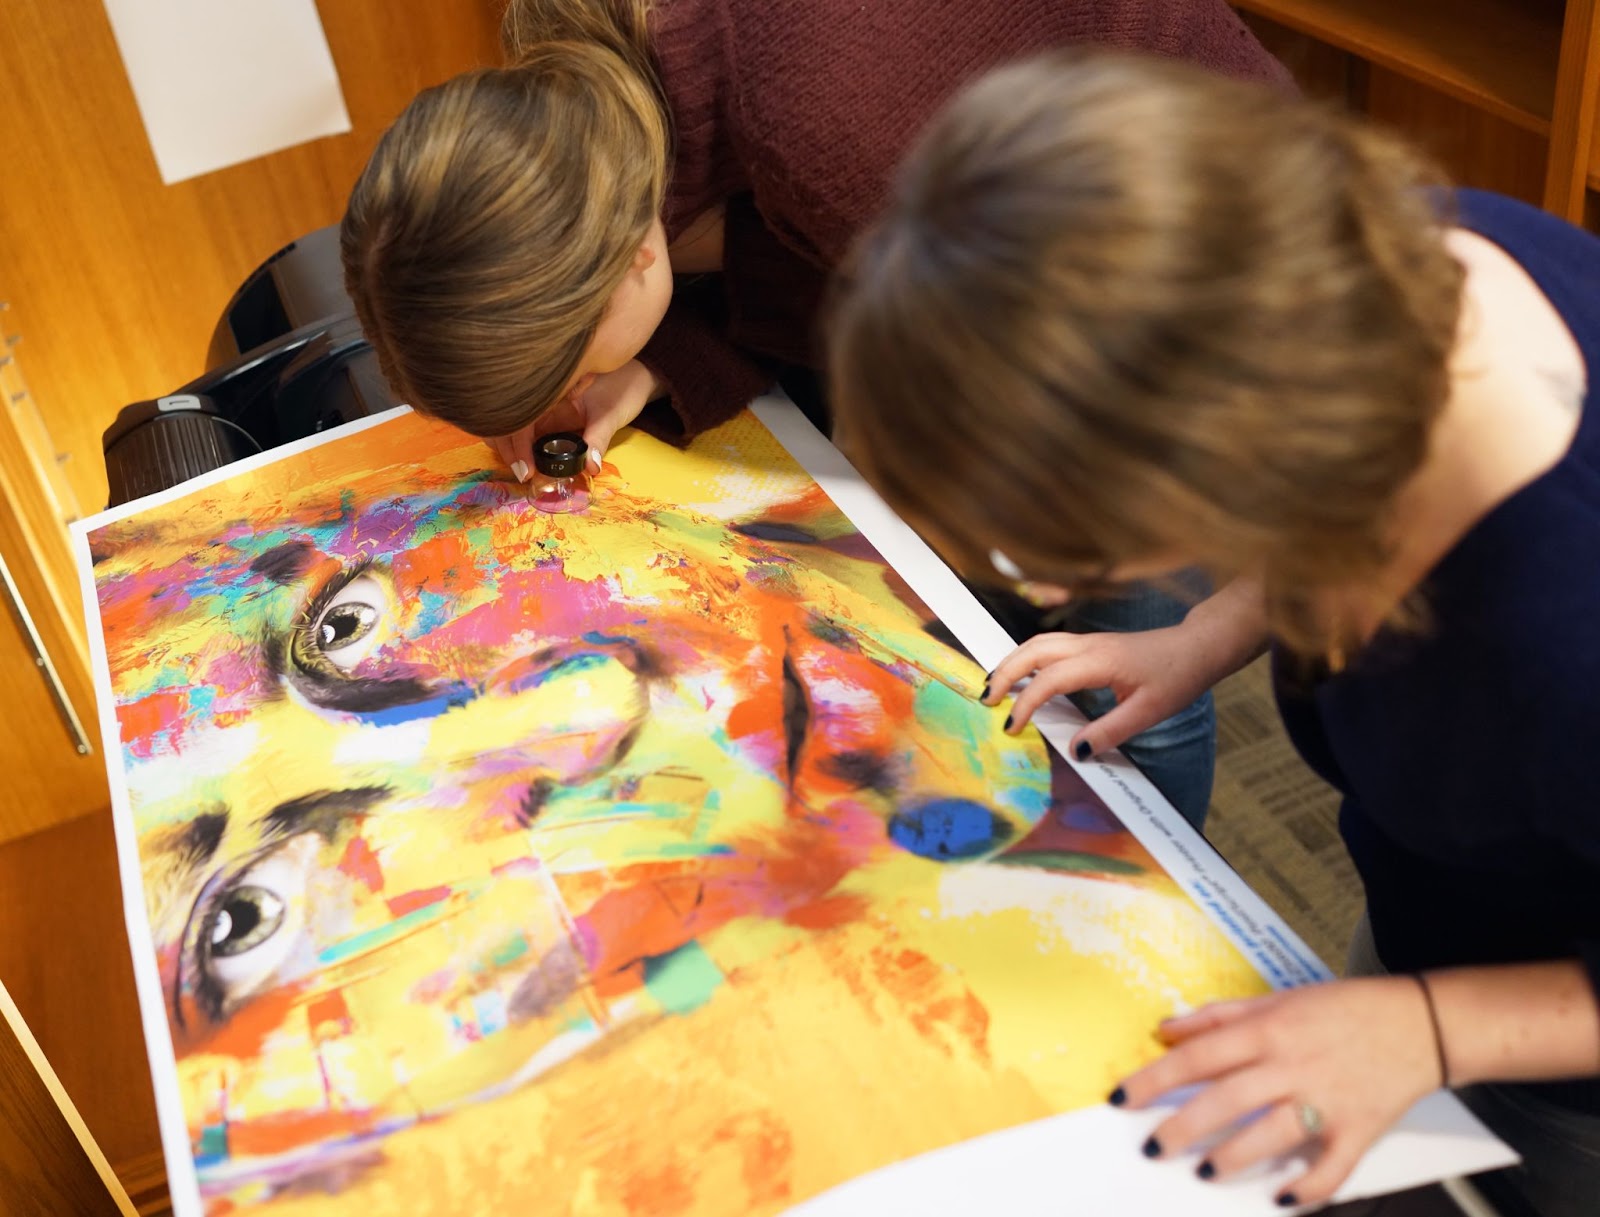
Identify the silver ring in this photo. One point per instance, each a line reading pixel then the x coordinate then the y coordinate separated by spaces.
pixel 1310 1119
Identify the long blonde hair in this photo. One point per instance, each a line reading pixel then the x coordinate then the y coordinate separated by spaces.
pixel 1122 309
pixel 503 208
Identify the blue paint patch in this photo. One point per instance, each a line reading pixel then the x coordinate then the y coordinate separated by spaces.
pixel 436 610
pixel 490 1010
pixel 171 676
pixel 567 667
pixel 1087 817
pixel 682 981
pixel 948 829
pixel 379 936
pixel 688 849
pixel 1029 802
pixel 431 708
pixel 212 1145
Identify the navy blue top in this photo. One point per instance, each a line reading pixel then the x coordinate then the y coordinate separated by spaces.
pixel 1468 754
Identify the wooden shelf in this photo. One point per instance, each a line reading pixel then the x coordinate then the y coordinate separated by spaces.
pixel 1497 55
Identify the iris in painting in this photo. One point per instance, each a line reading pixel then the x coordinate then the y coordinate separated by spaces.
pixel 654 859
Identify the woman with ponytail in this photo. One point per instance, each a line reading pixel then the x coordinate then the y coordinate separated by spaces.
pixel 1163 320
pixel 511 245
pixel 644 206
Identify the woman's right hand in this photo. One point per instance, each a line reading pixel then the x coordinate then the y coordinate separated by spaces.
pixel 1154 673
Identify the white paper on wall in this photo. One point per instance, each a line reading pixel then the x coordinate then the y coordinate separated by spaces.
pixel 223 81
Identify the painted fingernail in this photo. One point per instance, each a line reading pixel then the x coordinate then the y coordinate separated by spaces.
pixel 1151 1148
pixel 595 459
pixel 520 469
pixel 984 696
pixel 1009 717
pixel 1117 1097
pixel 1206 1170
pixel 1288 1200
pixel 1082 751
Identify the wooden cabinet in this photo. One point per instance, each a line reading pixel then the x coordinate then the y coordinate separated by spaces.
pixel 51 762
pixel 63 952
pixel 49 1163
pixel 64 957
pixel 1504 92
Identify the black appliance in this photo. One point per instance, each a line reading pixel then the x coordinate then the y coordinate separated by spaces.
pixel 286 360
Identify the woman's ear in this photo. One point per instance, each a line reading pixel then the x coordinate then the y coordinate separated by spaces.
pixel 645 258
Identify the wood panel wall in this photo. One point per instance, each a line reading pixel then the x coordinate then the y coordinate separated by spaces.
pixel 116 280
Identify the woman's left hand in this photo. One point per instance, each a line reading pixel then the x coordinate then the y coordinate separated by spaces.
pixel 1358 1052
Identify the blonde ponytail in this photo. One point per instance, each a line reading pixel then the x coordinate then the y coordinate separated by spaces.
pixel 620 26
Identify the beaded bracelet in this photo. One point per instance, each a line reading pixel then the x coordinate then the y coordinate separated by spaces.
pixel 1438 1035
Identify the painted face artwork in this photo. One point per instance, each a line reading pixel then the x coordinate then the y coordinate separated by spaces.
pixel 656 859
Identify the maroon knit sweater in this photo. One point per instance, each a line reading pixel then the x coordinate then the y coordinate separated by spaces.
pixel 794 115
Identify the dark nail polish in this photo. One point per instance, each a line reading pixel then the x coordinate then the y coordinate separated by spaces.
pixel 1009 717
pixel 988 678
pixel 984 696
pixel 1288 1200
pixel 1082 751
pixel 1117 1097
pixel 1151 1148
pixel 1206 1170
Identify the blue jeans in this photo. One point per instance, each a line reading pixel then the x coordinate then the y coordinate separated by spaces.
pixel 1179 756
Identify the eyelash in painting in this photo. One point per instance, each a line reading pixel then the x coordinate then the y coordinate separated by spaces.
pixel 347 620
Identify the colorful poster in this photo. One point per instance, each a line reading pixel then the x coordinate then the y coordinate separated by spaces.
pixel 657 859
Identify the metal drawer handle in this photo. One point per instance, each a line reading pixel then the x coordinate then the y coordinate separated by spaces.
pixel 41 659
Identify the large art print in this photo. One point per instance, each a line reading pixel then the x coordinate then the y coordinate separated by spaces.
pixel 657 859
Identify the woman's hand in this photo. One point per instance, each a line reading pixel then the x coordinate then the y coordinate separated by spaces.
pixel 598 407
pixel 1357 1052
pixel 1154 673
